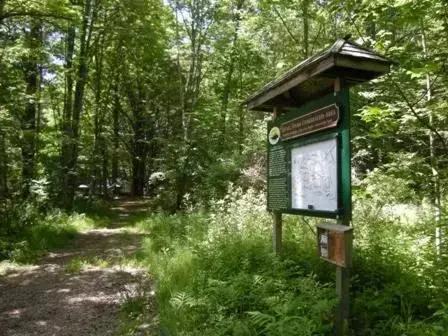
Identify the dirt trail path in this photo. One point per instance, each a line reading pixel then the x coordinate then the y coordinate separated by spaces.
pixel 47 300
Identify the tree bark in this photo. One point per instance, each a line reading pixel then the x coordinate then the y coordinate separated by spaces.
pixel 39 112
pixel 229 75
pixel 70 154
pixel 436 197
pixel 28 122
pixel 104 170
pixel 67 133
pixel 139 144
pixel 138 158
pixel 99 149
pixel 116 140
pixel 189 91
pixel 3 167
pixel 78 101
pixel 242 115
pixel 306 27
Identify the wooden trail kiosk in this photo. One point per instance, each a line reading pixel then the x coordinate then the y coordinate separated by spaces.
pixel 308 140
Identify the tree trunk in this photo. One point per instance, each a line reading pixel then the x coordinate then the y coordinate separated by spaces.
pixel 98 143
pixel 116 127
pixel 139 144
pixel 105 170
pixel 306 27
pixel 116 111
pixel 138 176
pixel 242 115
pixel 39 114
pixel 78 101
pixel 184 92
pixel 28 122
pixel 95 154
pixel 3 167
pixel 437 197
pixel 138 160
pixel 189 91
pixel 229 75
pixel 139 152
pixel 66 124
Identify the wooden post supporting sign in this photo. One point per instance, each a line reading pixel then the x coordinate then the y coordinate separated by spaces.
pixel 335 244
pixel 277 216
pixel 277 233
pixel 341 325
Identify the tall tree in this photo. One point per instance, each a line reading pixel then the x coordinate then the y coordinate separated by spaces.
pixel 193 20
pixel 33 41
pixel 71 136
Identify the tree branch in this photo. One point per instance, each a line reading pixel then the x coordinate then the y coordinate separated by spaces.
pixel 285 25
pixel 415 113
pixel 8 15
pixel 316 38
pixel 442 69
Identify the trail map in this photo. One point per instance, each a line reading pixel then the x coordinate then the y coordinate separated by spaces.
pixel 314 184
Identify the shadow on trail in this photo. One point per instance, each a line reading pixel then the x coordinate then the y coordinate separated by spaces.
pixel 109 244
pixel 130 211
pixel 46 299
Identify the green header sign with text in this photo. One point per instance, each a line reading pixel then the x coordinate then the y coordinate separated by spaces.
pixel 309 159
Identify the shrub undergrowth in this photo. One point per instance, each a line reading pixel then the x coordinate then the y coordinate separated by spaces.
pixel 28 230
pixel 216 274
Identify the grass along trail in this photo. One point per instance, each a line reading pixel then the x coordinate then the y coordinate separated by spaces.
pixel 77 290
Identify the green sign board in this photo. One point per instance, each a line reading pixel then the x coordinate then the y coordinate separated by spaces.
pixel 309 159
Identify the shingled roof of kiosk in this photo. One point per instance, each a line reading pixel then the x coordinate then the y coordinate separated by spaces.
pixel 315 76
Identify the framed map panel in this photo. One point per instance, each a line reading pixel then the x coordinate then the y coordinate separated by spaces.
pixel 314 180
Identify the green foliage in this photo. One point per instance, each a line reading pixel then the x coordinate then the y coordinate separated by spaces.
pixel 216 274
pixel 77 264
pixel 384 189
pixel 27 241
pixel 394 268
pixel 74 266
pixel 27 232
pixel 162 85
pixel 156 86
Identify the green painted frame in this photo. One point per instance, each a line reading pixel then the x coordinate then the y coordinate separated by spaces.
pixel 341 132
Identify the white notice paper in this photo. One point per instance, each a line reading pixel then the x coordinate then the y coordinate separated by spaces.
pixel 314 184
